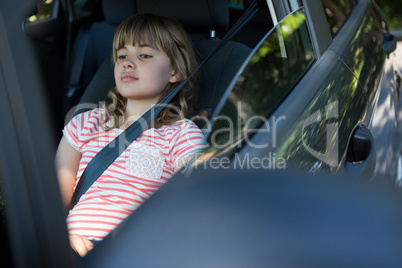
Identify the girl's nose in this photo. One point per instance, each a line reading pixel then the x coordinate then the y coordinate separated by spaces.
pixel 128 63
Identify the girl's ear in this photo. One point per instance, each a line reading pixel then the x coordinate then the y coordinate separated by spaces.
pixel 174 78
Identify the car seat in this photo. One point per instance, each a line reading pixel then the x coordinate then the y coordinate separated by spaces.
pixel 96 40
pixel 198 17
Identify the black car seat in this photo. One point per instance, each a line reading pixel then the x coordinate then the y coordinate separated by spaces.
pixel 102 33
pixel 98 42
pixel 198 17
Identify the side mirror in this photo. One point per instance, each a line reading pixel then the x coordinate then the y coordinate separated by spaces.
pixel 389 43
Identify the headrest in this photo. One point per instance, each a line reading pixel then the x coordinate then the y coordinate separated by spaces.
pixel 115 11
pixel 197 16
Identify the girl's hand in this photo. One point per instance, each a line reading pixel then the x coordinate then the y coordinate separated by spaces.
pixel 80 244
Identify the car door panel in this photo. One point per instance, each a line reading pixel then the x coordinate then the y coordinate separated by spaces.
pixel 318 137
pixel 370 64
pixel 352 86
pixel 364 54
pixel 313 125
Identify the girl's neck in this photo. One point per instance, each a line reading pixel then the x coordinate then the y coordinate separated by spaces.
pixel 134 110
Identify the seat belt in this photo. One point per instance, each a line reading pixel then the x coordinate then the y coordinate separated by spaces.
pixel 105 157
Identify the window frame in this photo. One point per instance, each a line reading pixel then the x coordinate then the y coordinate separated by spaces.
pixel 237 145
pixel 317 22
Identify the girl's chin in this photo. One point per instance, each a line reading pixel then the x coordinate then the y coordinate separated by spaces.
pixel 140 97
pixel 129 93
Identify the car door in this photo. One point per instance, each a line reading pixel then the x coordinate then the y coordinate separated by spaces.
pixel 299 103
pixel 369 56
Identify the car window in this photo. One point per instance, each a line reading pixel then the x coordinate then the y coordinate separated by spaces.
pixel 270 74
pixel 336 12
pixel 80 9
pixel 44 9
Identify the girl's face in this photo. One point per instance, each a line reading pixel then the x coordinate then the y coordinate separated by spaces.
pixel 143 72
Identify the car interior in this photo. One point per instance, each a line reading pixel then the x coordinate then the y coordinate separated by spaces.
pixel 73 46
pixel 217 73
pixel 86 50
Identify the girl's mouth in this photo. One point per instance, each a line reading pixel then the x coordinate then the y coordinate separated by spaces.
pixel 127 77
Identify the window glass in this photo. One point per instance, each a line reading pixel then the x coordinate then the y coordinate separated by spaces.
pixel 295 4
pixel 276 65
pixel 336 12
pixel 43 12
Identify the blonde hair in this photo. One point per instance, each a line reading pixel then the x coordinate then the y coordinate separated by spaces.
pixel 170 36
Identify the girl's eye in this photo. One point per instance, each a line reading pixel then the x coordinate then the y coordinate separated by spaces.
pixel 122 57
pixel 145 56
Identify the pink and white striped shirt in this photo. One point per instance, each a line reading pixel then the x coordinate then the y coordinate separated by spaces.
pixel 133 177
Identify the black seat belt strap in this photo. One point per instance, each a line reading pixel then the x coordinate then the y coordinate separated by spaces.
pixel 104 158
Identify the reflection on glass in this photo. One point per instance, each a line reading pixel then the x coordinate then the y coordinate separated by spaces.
pixel 44 9
pixel 321 143
pixel 336 12
pixel 278 63
pixel 367 41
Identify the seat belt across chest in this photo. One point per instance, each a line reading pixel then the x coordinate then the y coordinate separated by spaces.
pixel 104 158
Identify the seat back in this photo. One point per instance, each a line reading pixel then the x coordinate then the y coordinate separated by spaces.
pixel 99 35
pixel 198 17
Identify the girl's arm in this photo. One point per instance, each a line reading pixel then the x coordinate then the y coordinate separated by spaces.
pixel 67 162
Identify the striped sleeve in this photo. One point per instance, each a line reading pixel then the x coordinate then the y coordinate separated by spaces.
pixel 83 127
pixel 71 131
pixel 188 140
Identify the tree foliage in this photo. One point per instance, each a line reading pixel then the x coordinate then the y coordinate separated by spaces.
pixel 392 11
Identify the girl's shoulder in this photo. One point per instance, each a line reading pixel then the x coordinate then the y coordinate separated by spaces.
pixel 84 127
pixel 94 118
pixel 95 113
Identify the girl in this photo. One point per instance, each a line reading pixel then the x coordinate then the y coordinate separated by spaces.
pixel 152 54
